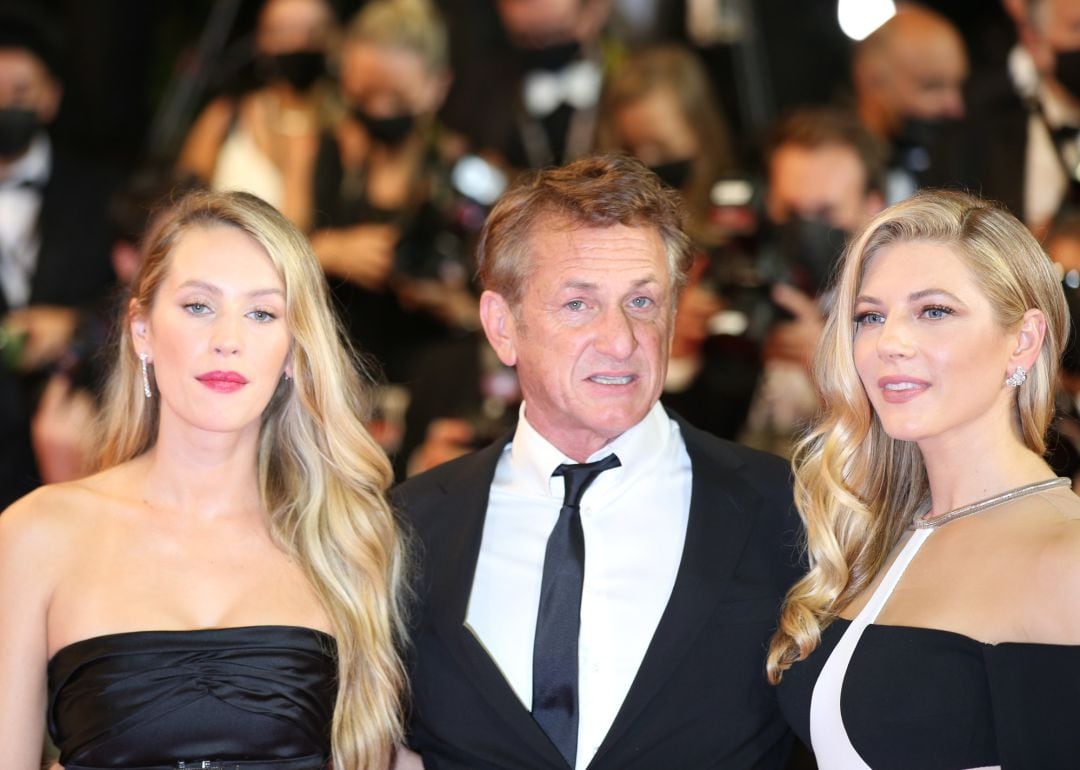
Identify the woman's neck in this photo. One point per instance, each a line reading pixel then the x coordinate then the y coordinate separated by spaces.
pixel 203 473
pixel 964 469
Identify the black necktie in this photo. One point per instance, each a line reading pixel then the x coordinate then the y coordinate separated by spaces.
pixel 555 651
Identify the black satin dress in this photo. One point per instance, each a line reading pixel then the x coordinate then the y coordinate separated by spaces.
pixel 250 698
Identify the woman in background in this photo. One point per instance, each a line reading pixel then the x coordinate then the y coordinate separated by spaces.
pixel 264 139
pixel 939 624
pixel 660 108
pixel 227 589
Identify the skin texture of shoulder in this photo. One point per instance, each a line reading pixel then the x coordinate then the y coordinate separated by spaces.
pixel 37 534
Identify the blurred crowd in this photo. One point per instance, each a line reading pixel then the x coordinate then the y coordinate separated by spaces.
pixel 386 129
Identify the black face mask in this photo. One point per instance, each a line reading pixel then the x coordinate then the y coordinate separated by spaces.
pixel 674 174
pixel 17 128
pixel 552 57
pixel 1067 71
pixel 393 130
pixel 912 148
pixel 299 69
pixel 804 253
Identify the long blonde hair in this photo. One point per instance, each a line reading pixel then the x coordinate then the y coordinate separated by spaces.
pixel 856 488
pixel 321 475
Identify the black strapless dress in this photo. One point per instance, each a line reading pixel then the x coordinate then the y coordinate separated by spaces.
pixel 251 698
pixel 938 700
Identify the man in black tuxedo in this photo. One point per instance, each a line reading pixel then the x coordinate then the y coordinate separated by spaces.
pixel 54 243
pixel 598 588
pixel 1019 143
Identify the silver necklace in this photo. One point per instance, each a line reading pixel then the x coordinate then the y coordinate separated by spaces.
pixel 921 522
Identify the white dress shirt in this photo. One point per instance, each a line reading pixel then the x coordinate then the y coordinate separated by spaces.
pixel 634 518
pixel 20 205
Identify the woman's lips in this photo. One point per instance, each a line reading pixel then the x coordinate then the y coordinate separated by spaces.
pixel 223 382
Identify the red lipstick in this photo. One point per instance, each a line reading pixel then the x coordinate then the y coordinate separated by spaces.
pixel 223 382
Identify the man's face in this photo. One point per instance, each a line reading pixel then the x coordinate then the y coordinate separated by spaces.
pixel 926 78
pixel 826 184
pixel 590 336
pixel 536 23
pixel 1061 24
pixel 25 83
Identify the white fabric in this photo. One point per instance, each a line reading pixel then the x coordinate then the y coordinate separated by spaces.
pixel 830 743
pixel 20 206
pixel 242 165
pixel 577 84
pixel 634 518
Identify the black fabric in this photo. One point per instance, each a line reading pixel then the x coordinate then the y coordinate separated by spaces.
pixel 256 694
pixel 558 619
pixel 700 698
pixel 938 700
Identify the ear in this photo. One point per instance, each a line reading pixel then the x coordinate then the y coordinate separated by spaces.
pixel 1029 340
pixel 140 328
pixel 500 326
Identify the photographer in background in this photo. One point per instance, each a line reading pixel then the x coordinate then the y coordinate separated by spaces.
pixel 825 180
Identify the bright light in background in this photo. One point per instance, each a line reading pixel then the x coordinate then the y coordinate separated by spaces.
pixel 858 18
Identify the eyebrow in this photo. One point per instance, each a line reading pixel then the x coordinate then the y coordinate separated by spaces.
pixel 915 296
pixel 211 289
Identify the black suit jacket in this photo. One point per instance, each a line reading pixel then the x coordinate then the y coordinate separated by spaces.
pixel 73 269
pixel 700 698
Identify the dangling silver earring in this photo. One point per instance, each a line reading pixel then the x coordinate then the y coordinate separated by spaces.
pixel 145 375
pixel 1017 378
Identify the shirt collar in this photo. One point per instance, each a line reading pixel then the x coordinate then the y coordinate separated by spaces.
pixel 34 166
pixel 533 458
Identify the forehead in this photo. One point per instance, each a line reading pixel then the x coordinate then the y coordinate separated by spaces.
pixel 365 64
pixel 901 268
pixel 606 257
pixel 17 65
pixel 655 115
pixel 221 255
pixel 293 20
pixel 809 174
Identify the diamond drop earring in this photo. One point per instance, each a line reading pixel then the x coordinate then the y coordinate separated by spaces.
pixel 145 375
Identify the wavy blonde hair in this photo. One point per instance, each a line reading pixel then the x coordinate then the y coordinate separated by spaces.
pixel 321 476
pixel 856 488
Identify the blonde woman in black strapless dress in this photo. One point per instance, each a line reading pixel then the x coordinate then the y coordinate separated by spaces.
pixel 225 592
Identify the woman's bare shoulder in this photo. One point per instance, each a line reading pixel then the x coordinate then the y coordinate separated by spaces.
pixel 55 513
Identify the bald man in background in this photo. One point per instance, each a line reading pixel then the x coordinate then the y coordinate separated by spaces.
pixel 908 78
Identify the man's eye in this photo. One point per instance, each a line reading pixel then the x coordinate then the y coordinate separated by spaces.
pixel 575 305
pixel 641 302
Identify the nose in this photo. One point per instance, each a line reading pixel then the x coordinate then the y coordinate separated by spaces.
pixel 615 337
pixel 894 340
pixel 226 336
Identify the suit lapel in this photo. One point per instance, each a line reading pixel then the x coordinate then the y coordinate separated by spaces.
pixel 467 495
pixel 721 517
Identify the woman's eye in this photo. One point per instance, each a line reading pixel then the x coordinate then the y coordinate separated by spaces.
pixel 196 308
pixel 262 316
pixel 868 318
pixel 935 312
